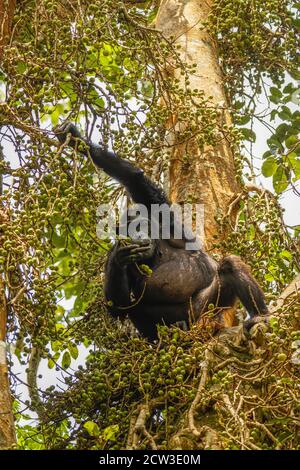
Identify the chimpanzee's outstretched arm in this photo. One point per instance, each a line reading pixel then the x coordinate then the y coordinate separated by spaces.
pixel 141 189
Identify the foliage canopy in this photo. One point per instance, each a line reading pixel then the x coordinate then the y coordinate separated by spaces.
pixel 102 65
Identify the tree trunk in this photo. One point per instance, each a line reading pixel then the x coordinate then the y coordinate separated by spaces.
pixel 210 176
pixel 7 9
pixel 7 429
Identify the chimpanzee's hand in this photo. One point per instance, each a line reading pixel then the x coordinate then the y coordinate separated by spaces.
pixel 135 252
pixel 64 130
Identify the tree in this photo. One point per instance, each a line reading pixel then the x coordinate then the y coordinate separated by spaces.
pixel 7 9
pixel 199 172
pixel 176 87
pixel 7 432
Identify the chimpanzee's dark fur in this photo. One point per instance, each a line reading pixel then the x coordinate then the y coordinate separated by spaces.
pixel 183 283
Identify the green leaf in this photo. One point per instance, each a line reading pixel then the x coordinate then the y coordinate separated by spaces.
pixel 276 95
pixel 242 120
pixel 296 22
pixel 59 327
pixel 86 342
pixel 286 255
pixel 274 323
pixel 296 231
pixel 92 428
pixel 55 345
pixel 251 232
pixel 73 350
pixel 239 105
pixel 94 97
pixel 147 88
pixel 248 134
pixel 21 67
pixel 273 114
pixel 282 130
pixel 66 360
pixel 269 167
pixel 267 154
pixel 294 163
pixel 51 362
pixel 288 89
pixel 295 74
pixel 58 241
pixel 73 289
pixel 110 432
pixel 273 141
pixel 291 141
pixel 285 113
pixel 280 181
pixel 67 88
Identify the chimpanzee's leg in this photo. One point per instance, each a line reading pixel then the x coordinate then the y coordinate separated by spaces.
pixel 237 274
pixel 233 281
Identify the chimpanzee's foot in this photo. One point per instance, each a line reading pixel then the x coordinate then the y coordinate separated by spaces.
pixel 254 320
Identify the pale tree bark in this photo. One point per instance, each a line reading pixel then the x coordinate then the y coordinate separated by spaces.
pixel 290 292
pixel 210 177
pixel 7 9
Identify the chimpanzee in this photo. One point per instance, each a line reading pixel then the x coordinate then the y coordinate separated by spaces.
pixel 183 284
